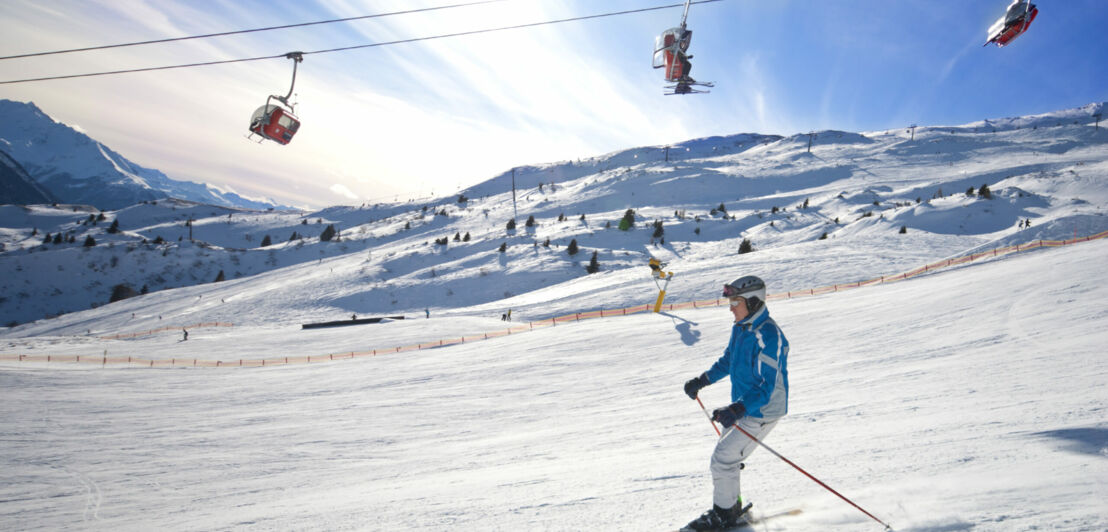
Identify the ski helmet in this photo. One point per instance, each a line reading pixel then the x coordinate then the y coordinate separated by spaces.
pixel 750 288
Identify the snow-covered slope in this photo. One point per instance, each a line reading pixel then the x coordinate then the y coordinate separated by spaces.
pixel 970 399
pixel 77 169
pixel 839 204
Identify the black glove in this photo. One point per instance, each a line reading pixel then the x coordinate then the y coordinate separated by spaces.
pixel 729 415
pixel 694 385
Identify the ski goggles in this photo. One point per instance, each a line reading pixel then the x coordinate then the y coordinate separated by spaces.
pixel 736 300
pixel 730 291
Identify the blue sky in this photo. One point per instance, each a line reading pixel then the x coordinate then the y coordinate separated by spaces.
pixel 416 119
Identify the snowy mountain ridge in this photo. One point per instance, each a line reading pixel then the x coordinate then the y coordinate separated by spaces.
pixel 80 170
pixel 17 186
pixel 1044 183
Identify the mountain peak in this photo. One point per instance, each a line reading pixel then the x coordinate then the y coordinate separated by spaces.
pixel 76 168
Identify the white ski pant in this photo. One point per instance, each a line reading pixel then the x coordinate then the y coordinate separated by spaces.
pixel 734 447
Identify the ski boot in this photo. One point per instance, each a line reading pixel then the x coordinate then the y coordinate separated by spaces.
pixel 718 519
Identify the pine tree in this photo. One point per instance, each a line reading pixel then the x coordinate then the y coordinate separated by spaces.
pixel 89 242
pixel 594 265
pixel 572 249
pixel 121 292
pixel 659 231
pixel 984 192
pixel 503 247
pixel 904 229
pixel 327 234
pixel 219 278
pixel 512 224
pixel 628 220
pixel 530 221
pixel 745 246
pixel 114 228
pixel 466 238
pixel 266 241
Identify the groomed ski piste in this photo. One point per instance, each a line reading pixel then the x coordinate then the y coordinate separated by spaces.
pixel 967 398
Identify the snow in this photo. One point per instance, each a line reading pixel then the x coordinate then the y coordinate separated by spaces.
pixel 966 398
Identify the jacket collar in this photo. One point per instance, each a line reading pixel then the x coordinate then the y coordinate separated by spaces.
pixel 755 320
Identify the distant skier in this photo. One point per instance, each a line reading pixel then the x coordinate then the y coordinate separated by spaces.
pixel 755 360
pixel 185 339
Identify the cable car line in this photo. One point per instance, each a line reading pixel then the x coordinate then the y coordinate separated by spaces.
pixel 254 30
pixel 360 46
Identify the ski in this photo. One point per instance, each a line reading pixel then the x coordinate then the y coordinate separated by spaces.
pixel 742 515
pixel 750 521
pixel 753 521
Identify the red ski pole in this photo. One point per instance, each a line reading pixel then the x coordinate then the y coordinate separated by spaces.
pixel 798 468
pixel 718 433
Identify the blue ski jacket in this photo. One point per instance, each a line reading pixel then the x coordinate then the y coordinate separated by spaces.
pixel 755 359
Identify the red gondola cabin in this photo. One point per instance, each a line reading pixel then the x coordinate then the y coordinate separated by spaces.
pixel 1013 24
pixel 274 123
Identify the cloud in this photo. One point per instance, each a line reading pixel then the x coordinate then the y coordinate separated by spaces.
pixel 341 190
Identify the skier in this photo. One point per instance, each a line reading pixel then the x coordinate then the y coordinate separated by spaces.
pixel 755 360
pixel 683 56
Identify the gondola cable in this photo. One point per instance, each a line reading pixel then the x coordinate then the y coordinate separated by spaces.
pixel 253 30
pixel 356 47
